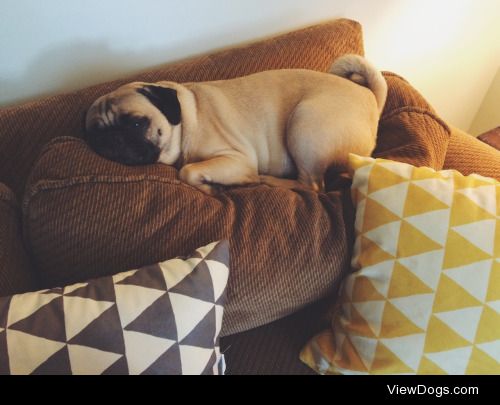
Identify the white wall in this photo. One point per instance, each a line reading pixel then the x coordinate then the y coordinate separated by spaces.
pixel 449 49
pixel 488 116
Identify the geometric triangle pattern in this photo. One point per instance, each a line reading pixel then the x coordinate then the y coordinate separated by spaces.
pixel 424 294
pixel 163 319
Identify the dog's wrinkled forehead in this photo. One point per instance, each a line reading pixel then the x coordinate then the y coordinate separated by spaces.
pixel 133 99
pixel 107 110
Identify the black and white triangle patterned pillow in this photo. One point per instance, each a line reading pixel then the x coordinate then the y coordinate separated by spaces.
pixel 160 319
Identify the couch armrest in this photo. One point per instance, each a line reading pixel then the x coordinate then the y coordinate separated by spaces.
pixel 16 275
pixel 469 155
pixel 409 129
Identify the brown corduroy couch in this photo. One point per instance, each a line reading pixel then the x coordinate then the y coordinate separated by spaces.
pixel 59 202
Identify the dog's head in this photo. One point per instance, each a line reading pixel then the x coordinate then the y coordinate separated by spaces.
pixel 137 124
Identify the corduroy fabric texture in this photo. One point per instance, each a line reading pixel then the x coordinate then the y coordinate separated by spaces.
pixel 26 128
pixel 469 155
pixel 15 273
pixel 86 217
pixel 409 129
pixel 274 348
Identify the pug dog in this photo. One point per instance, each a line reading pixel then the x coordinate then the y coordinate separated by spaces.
pixel 279 127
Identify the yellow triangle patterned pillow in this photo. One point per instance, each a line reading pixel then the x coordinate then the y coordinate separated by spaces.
pixel 424 297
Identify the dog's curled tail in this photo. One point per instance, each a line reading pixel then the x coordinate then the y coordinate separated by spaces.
pixel 360 71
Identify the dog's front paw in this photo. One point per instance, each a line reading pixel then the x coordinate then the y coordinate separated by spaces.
pixel 207 189
pixel 190 175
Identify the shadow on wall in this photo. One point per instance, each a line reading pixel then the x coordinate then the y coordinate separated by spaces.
pixel 77 65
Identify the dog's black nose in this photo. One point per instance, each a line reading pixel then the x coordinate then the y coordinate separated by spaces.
pixel 146 154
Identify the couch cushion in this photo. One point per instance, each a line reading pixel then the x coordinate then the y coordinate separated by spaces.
pixel 26 128
pixel 85 216
pixel 15 271
pixel 160 319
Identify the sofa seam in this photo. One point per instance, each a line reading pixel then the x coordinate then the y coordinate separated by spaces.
pixel 56 141
pixel 415 110
pixel 57 184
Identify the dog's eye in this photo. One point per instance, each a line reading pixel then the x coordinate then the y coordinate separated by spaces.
pixel 134 122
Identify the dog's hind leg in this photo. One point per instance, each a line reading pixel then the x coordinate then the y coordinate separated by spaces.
pixel 306 144
pixel 320 136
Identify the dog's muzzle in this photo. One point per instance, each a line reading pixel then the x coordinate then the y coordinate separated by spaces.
pixel 123 148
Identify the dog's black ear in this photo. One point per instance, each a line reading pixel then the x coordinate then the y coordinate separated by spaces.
pixel 165 99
